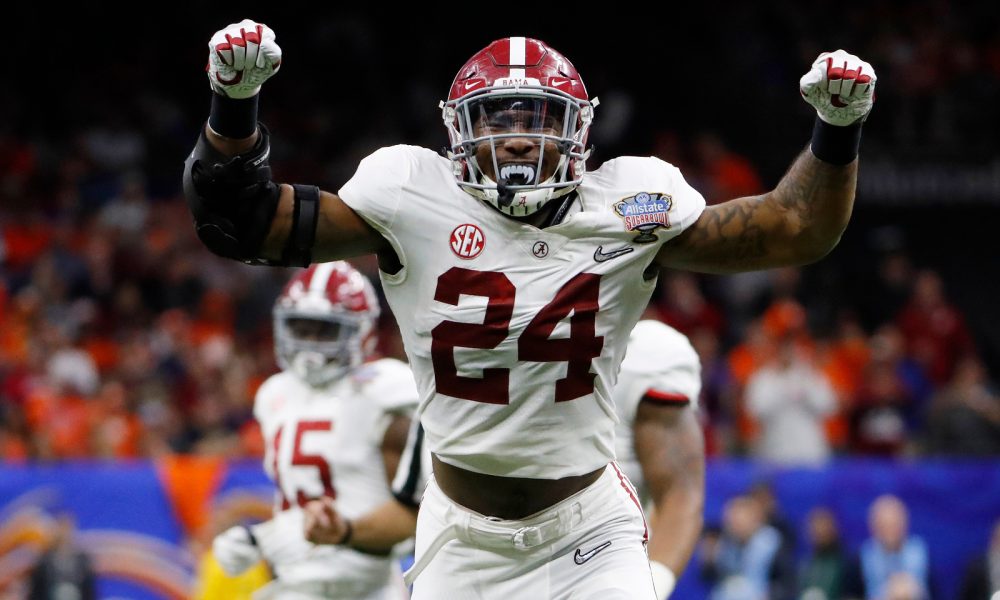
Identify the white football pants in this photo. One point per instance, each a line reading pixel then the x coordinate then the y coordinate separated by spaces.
pixel 339 590
pixel 591 545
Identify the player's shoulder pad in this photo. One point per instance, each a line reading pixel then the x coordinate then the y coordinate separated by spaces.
pixel 388 382
pixel 641 171
pixel 655 347
pixel 397 163
pixel 274 387
pixel 376 188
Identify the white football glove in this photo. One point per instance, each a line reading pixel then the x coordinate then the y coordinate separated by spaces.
pixel 281 539
pixel 840 86
pixel 241 57
pixel 235 550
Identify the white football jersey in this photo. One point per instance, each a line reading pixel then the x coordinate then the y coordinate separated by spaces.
pixel 328 442
pixel 515 333
pixel 660 366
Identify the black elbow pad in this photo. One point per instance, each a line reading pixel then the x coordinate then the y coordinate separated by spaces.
pixel 232 198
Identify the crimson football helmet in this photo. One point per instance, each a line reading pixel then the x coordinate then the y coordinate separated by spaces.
pixel 518 88
pixel 325 322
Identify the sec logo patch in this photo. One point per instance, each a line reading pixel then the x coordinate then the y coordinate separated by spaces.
pixel 467 241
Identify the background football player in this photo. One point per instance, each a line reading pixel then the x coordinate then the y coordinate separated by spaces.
pixel 659 445
pixel 515 276
pixel 334 423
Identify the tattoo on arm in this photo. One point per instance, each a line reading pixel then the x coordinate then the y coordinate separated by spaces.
pixel 796 223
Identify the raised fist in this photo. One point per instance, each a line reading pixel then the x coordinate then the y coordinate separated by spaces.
pixel 840 86
pixel 241 57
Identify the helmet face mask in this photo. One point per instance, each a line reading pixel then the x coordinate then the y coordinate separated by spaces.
pixel 324 323
pixel 518 131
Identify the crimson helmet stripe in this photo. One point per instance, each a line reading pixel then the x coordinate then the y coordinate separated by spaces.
pixel 517 52
pixel 304 279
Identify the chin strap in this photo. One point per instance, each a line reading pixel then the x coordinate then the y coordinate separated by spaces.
pixel 504 194
pixel 556 216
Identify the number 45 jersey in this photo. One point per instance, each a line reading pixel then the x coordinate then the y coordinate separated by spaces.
pixel 515 333
pixel 327 441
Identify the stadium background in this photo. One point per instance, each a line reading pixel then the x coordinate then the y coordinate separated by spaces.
pixel 125 345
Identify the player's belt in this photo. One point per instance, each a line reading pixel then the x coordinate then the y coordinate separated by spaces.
pixel 521 534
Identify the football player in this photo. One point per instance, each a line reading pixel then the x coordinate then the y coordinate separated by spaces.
pixel 334 423
pixel 515 275
pixel 659 445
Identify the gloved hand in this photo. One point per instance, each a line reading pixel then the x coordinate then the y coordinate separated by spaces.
pixel 241 57
pixel 323 524
pixel 281 540
pixel 235 550
pixel 840 86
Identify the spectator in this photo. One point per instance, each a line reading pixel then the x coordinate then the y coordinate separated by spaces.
pixel 965 416
pixel 903 586
pixel 935 330
pixel 889 551
pixel 982 576
pixel 790 399
pixel 64 570
pixel 685 308
pixel 718 394
pixel 823 569
pixel 740 563
pixel 783 571
pixel 877 421
pixel 882 292
pixel 128 212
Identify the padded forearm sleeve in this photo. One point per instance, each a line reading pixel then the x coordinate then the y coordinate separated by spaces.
pixel 231 198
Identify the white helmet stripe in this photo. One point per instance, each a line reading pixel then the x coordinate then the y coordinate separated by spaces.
pixel 322 274
pixel 517 52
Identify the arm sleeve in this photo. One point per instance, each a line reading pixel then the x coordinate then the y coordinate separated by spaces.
pixel 394 388
pixel 688 203
pixel 660 366
pixel 660 178
pixel 414 467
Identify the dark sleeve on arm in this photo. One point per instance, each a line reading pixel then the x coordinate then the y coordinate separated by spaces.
pixel 411 477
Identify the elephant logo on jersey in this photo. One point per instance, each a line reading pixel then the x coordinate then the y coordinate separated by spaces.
pixel 645 212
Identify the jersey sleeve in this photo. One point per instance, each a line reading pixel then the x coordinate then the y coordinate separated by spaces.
pixel 657 178
pixel 690 202
pixel 375 189
pixel 660 366
pixel 392 386
pixel 414 466
pixel 687 203
pixel 263 402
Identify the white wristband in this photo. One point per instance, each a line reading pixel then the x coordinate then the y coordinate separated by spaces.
pixel 664 579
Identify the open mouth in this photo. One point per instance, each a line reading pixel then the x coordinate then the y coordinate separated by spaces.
pixel 517 174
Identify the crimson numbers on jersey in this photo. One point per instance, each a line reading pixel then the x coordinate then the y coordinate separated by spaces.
pixel 284 463
pixel 578 297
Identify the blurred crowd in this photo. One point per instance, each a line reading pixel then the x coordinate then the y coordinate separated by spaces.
pixel 122 336
pixel 755 553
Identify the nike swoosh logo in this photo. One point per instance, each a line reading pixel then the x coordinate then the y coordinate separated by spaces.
pixel 600 255
pixel 582 557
